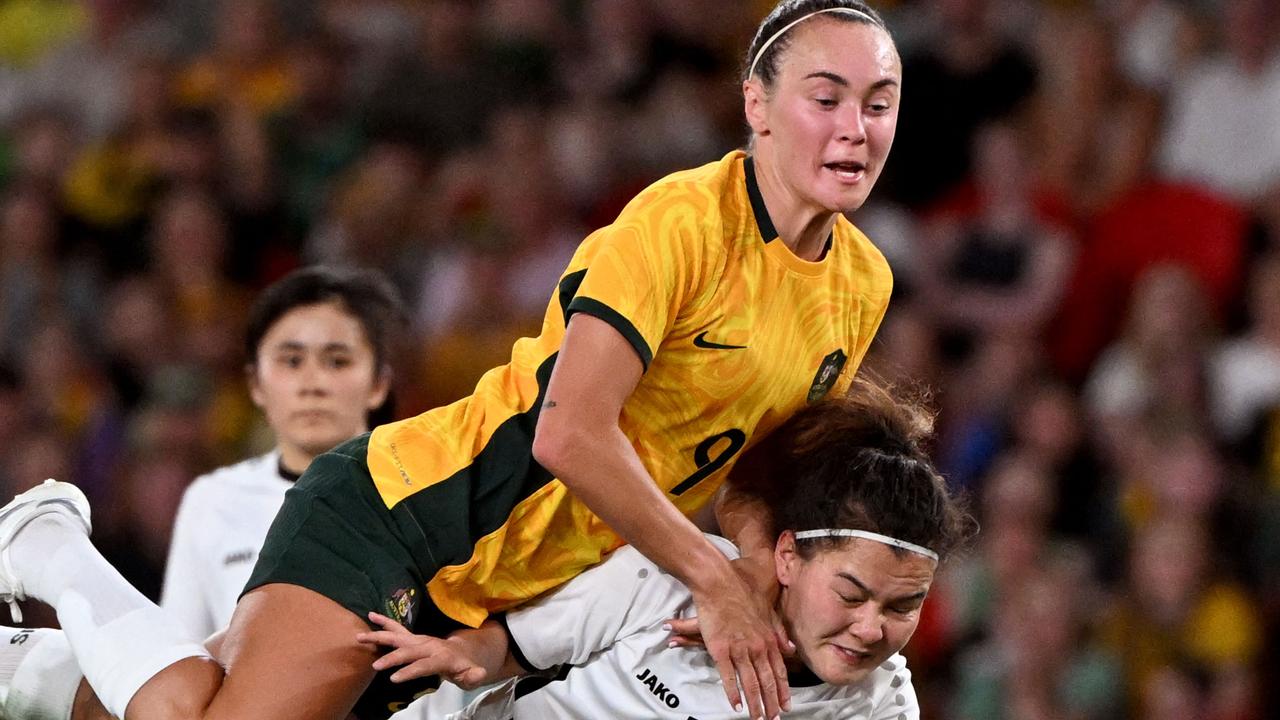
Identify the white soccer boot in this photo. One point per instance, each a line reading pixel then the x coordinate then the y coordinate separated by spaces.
pixel 48 497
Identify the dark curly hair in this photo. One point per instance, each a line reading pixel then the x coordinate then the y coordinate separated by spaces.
pixel 856 462
pixel 787 12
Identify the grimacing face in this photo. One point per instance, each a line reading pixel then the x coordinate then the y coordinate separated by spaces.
pixel 850 608
pixel 315 379
pixel 828 123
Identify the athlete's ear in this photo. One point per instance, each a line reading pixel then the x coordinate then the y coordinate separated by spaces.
pixel 786 560
pixel 755 104
pixel 381 386
pixel 255 388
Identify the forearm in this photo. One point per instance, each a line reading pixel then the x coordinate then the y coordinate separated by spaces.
pixel 602 470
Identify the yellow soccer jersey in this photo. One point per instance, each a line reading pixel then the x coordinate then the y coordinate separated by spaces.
pixel 736 333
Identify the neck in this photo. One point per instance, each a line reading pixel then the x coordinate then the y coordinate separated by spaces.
pixel 801 226
pixel 294 459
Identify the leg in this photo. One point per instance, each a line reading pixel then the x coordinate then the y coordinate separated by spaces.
pixel 293 654
pixel 87 706
pixel 295 650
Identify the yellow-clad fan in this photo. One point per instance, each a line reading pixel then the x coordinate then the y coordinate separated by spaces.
pixel 719 303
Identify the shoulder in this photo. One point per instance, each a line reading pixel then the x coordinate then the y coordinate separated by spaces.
pixel 864 260
pixel 628 556
pixel 701 187
pixel 890 685
pixel 254 473
pixel 689 203
pixel 655 583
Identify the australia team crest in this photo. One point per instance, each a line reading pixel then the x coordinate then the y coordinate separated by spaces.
pixel 401 606
pixel 827 374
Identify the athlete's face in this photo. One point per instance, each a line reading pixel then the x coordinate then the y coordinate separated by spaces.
pixel 315 378
pixel 828 122
pixel 849 609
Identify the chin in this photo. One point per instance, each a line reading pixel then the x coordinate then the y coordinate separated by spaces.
pixel 317 443
pixel 835 672
pixel 846 202
pixel 833 675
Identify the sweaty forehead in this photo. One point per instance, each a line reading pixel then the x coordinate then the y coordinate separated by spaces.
pixel 858 51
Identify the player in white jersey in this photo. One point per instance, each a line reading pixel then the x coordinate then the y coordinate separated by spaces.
pixel 318 347
pixel 317 352
pixel 862 523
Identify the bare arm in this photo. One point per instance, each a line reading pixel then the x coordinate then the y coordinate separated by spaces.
pixel 579 440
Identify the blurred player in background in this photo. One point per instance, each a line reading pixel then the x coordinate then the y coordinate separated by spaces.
pixel 318 349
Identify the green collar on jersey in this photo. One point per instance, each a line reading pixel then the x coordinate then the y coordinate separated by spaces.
pixel 767 229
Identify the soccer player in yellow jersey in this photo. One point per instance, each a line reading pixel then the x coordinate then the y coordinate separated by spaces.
pixel 721 301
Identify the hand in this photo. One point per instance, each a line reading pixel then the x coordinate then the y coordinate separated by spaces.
pixel 423 655
pixel 744 646
pixel 686 632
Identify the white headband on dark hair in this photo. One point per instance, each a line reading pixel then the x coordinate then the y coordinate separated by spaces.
pixel 863 534
pixel 793 23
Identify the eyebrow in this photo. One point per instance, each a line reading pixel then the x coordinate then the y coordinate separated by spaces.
pixel 917 596
pixel 291 345
pixel 841 81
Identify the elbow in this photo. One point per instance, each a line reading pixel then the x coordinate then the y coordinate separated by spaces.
pixel 553 446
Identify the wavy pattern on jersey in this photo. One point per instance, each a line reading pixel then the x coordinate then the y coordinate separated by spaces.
pixel 684 262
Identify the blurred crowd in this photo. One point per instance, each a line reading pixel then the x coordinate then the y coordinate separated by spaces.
pixel 1082 210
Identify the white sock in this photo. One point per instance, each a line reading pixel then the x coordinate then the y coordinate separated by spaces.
pixel 44 677
pixel 120 638
pixel 15 643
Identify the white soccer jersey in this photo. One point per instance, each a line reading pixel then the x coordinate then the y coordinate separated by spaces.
pixel 221 524
pixel 605 629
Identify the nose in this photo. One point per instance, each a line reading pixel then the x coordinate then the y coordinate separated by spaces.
pixel 867 624
pixel 311 375
pixel 853 126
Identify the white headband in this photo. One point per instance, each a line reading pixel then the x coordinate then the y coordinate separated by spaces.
pixel 893 542
pixel 793 23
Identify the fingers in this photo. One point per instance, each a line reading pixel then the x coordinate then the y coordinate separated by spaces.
pixel 458 671
pixel 746 667
pixel 685 632
pixel 758 672
pixel 386 637
pixel 728 675
pixel 680 641
pixel 780 694
pixel 413 671
pixel 387 623
pixel 421 652
pixel 684 626
pixel 470 679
